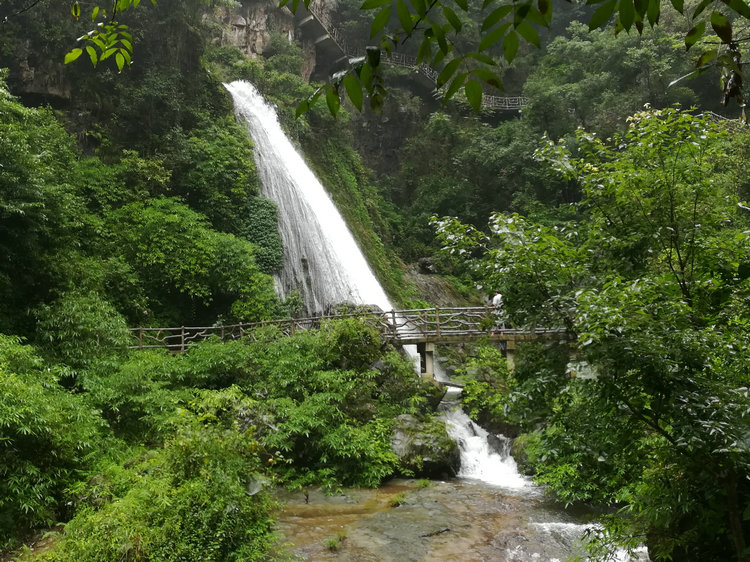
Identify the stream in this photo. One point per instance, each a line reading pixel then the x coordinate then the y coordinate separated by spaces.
pixel 489 512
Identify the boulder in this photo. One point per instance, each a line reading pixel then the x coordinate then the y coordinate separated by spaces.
pixel 425 448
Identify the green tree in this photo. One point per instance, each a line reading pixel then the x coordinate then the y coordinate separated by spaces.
pixel 651 284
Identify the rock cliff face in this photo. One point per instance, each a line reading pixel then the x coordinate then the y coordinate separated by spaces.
pixel 249 26
pixel 44 78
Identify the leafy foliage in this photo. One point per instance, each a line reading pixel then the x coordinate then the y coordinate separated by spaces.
pixel 650 285
pixel 438 26
pixel 48 438
pixel 200 498
pixel 78 328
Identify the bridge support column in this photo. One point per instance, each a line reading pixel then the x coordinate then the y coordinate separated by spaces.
pixel 510 352
pixel 427 359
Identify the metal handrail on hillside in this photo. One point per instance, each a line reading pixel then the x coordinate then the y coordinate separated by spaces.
pixel 316 9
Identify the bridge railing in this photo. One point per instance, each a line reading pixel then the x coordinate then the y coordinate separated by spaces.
pixel 397 326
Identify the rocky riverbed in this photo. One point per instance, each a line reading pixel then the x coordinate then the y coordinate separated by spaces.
pixel 407 520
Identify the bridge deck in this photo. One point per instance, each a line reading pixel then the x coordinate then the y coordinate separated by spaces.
pixel 401 327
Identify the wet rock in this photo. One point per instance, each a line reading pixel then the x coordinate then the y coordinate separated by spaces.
pixel 426 266
pixel 499 444
pixel 425 447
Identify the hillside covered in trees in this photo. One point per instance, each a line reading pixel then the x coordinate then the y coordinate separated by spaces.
pixel 612 204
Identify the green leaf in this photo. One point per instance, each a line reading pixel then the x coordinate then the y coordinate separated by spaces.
pixel 694 34
pixel 482 57
pixel 127 44
pixel 495 16
pixel 448 71
pixel 721 26
pixel 73 55
pixel 404 16
pixel 365 76
pixel 653 11
pixel 108 53
pixel 439 33
pixel 700 7
pixel 456 84
pixel 424 53
pixel 463 4
pixel 602 14
pixel 419 7
pixel 373 56
pixel 528 32
pixel 353 90
pixel 332 100
pixel 452 18
pixel 493 37
pixel 473 91
pixel 489 77
pixel 706 57
pixel 527 12
pixel 726 61
pixel 627 14
pixel 678 5
pixel 120 60
pixel 94 13
pixel 372 4
pixel 303 107
pixel 380 21
pixel 92 55
pixel 76 10
pixel 510 46
pixel 739 6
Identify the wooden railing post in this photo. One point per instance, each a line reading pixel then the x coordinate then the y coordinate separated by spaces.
pixel 437 320
pixel 140 338
pixel 292 326
pixel 394 331
pixel 182 338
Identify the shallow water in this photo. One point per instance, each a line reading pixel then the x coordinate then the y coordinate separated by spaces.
pixel 449 520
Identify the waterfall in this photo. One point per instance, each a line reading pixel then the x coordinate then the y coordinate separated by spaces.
pixel 321 258
pixel 480 460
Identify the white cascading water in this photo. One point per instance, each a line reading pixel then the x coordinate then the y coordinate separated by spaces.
pixel 321 258
pixel 479 460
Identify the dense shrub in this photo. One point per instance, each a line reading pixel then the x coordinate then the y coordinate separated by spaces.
pixel 48 437
pixel 200 498
pixel 79 327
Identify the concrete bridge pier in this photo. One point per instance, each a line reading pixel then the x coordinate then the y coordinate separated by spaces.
pixel 427 359
pixel 510 353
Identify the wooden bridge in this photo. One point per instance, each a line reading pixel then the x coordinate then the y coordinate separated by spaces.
pixel 423 327
pixel 318 14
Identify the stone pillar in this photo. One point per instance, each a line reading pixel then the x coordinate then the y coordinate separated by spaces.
pixel 427 359
pixel 510 351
